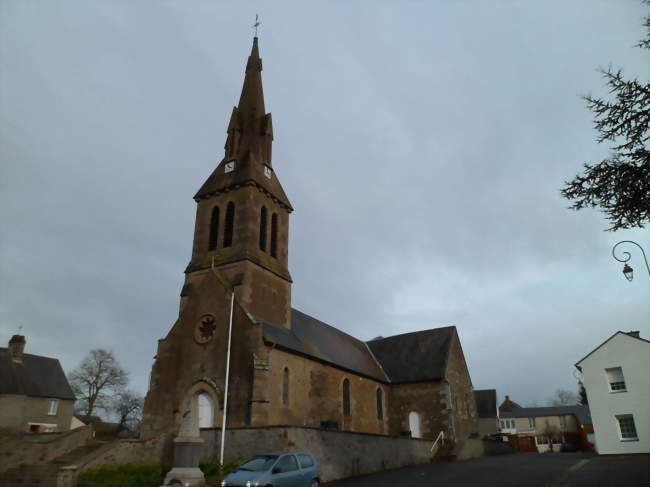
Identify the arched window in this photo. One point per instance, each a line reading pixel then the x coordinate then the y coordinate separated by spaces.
pixel 263 224
pixel 285 387
pixel 380 404
pixel 274 235
pixel 414 424
pixel 346 397
pixel 206 410
pixel 230 225
pixel 214 229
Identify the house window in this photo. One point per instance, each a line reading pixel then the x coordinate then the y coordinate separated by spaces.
pixel 563 422
pixel 230 225
pixel 54 407
pixel 627 427
pixel 214 229
pixel 531 423
pixel 285 387
pixel 615 379
pixel 380 404
pixel 346 397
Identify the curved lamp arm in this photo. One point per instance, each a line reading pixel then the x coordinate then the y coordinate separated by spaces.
pixel 626 255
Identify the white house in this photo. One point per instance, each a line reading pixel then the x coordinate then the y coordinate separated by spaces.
pixel 616 378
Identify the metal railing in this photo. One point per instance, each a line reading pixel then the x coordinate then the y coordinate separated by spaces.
pixel 436 444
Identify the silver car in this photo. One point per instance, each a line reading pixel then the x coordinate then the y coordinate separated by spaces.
pixel 295 469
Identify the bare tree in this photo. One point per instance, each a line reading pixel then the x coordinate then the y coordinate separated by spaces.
pixel 563 397
pixel 97 377
pixel 127 406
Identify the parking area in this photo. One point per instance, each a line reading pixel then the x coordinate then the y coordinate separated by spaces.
pixel 516 470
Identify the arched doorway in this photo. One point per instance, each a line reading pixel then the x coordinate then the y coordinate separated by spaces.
pixel 206 410
pixel 414 424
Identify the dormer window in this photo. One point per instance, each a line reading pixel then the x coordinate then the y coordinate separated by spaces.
pixel 267 172
pixel 615 379
pixel 229 167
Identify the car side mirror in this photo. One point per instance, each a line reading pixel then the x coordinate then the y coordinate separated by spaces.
pixel 276 470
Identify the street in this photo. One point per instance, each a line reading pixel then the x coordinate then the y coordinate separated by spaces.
pixel 516 470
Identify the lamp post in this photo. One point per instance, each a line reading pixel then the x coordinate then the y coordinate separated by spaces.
pixel 628 272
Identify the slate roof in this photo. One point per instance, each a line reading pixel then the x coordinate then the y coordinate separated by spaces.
pixel 486 403
pixel 311 337
pixel 415 357
pixel 411 357
pixel 581 412
pixel 36 376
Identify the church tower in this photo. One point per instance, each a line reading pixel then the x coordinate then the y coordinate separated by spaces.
pixel 242 216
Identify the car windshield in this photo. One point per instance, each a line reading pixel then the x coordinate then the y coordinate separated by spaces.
pixel 259 463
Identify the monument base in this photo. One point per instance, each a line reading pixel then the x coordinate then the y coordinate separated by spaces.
pixel 185 477
pixel 186 471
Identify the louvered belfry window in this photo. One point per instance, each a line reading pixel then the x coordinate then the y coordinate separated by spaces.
pixel 263 224
pixel 274 235
pixel 230 225
pixel 214 229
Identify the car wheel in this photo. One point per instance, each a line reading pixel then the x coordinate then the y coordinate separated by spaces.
pixel 314 483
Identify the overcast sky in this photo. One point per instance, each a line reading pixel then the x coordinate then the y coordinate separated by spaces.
pixel 422 144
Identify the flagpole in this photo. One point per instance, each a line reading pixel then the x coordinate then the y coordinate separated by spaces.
pixel 225 394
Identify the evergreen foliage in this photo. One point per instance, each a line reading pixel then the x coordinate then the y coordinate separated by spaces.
pixel 620 184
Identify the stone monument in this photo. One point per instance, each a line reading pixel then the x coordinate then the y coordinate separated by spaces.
pixel 187 450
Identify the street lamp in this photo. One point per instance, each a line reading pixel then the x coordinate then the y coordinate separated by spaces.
pixel 628 272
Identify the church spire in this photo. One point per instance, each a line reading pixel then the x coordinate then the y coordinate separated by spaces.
pixel 251 101
pixel 250 131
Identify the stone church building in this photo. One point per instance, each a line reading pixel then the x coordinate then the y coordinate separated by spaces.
pixel 286 367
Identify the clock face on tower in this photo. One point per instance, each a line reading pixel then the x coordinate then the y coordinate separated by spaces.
pixel 230 166
pixel 204 329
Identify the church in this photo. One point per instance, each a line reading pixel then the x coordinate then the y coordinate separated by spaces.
pixel 286 367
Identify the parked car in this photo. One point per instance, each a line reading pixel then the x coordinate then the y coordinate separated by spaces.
pixel 294 469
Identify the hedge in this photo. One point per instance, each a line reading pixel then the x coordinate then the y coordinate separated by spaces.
pixel 148 474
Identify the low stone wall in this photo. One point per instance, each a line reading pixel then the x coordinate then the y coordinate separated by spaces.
pixel 30 449
pixel 129 451
pixel 340 454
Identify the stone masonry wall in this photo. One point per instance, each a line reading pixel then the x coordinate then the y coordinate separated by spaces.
pixel 462 396
pixel 316 395
pixel 340 454
pixel 34 449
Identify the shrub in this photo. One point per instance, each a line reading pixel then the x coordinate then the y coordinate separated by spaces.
pixel 148 474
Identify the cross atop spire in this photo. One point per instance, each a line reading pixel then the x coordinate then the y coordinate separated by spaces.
pixel 256 24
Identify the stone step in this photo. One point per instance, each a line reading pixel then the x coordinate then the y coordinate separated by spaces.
pixel 72 456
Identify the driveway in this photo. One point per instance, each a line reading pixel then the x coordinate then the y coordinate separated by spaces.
pixel 516 470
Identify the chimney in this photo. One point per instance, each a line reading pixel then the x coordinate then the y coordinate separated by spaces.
pixel 16 347
pixel 634 333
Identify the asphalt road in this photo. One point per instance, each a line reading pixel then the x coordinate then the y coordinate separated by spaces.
pixel 517 470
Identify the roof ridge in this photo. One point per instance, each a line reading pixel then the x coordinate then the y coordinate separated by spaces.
pixel 411 333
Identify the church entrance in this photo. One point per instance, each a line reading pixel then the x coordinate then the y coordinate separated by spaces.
pixel 206 410
pixel 414 424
